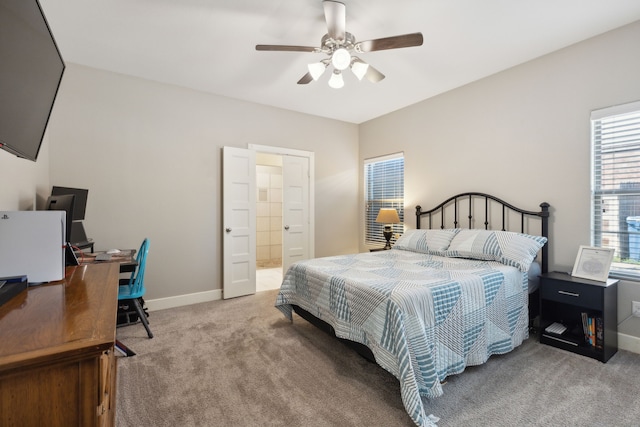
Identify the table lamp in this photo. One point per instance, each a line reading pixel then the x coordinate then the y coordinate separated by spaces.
pixel 388 217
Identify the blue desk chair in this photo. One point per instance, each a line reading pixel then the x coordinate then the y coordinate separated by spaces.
pixel 133 289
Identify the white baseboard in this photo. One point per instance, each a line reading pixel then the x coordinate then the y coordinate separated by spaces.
pixel 180 300
pixel 629 343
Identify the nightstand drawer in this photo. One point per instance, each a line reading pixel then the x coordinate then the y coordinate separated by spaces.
pixel 572 293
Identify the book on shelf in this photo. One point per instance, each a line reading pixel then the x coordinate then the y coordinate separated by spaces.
pixel 593 328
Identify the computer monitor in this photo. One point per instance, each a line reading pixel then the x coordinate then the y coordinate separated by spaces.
pixel 78 235
pixel 63 203
pixel 80 205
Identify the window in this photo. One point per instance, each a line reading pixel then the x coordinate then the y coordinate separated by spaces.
pixel 384 188
pixel 615 135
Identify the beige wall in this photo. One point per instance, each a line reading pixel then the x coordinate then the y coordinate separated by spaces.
pixel 522 135
pixel 21 179
pixel 150 155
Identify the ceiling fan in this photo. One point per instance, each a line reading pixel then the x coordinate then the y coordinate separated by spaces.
pixel 340 46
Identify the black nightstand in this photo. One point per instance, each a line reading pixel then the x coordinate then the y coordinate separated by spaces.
pixel 377 249
pixel 567 300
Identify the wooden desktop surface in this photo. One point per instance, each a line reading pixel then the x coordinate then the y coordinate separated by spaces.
pixel 58 319
pixel 126 259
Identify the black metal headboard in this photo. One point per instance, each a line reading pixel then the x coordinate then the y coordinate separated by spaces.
pixel 495 210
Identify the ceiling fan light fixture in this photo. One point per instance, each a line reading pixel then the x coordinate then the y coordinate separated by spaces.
pixel 336 81
pixel 339 47
pixel 316 69
pixel 341 59
pixel 359 69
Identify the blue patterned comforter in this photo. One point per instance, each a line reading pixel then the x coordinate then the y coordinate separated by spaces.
pixel 424 317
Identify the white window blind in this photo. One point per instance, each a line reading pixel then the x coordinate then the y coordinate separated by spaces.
pixel 615 192
pixel 384 188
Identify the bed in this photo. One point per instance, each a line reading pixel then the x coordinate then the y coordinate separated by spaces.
pixel 449 294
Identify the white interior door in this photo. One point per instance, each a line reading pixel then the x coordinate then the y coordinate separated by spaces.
pixel 239 222
pixel 295 210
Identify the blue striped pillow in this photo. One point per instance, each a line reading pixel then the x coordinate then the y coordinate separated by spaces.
pixel 514 249
pixel 433 242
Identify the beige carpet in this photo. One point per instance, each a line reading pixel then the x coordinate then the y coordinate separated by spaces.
pixel 241 363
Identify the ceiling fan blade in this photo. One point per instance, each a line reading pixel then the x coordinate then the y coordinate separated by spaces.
pixel 395 42
pixel 305 79
pixel 373 75
pixel 335 14
pixel 285 48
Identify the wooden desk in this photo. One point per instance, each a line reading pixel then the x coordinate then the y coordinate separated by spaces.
pixel 85 245
pixel 57 361
pixel 126 259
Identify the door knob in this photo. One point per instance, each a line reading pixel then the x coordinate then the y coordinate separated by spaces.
pixel 228 230
pixel 286 227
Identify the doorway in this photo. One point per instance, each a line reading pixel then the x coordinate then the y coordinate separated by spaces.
pixel 268 221
pixel 296 198
pixel 239 206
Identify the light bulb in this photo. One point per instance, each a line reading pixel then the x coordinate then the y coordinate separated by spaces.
pixel 336 80
pixel 316 69
pixel 341 59
pixel 359 69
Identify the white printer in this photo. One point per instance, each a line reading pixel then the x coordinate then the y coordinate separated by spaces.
pixel 32 243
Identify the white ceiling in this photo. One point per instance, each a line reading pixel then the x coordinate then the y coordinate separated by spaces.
pixel 209 45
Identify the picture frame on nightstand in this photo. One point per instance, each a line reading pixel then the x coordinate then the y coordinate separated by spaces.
pixel 593 263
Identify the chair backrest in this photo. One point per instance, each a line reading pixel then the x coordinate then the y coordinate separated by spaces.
pixel 136 282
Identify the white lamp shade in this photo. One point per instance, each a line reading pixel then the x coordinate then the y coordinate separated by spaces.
pixel 336 80
pixel 388 216
pixel 316 69
pixel 359 69
pixel 341 59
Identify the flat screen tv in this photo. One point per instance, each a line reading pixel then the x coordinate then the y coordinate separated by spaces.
pixel 31 69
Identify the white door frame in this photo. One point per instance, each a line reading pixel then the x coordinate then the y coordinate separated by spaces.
pixel 300 153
